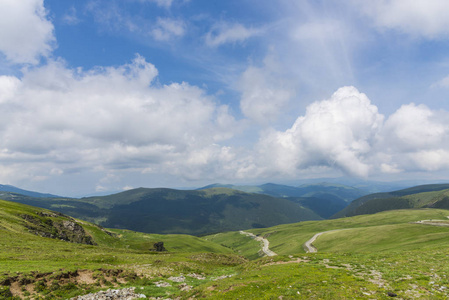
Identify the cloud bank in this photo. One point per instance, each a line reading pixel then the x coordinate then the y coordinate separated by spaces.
pixel 110 118
pixel 25 33
pixel 422 18
pixel 347 133
pixel 117 121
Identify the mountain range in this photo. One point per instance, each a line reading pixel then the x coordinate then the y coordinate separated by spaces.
pixel 177 211
pixel 219 208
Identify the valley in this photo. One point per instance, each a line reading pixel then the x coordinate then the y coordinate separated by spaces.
pixel 50 255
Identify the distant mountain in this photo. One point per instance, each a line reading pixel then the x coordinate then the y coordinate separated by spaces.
pixel 324 207
pixel 13 189
pixel 323 198
pixel 430 195
pixel 179 211
pixel 316 190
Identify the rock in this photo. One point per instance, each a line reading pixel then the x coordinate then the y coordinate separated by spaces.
pixel 184 287
pixel 159 247
pixel 122 294
pixel 162 284
pixel 177 279
pixel 391 294
pixel 196 276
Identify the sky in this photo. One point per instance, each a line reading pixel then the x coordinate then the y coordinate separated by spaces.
pixel 109 95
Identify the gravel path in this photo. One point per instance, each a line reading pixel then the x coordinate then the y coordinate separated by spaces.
pixel 264 241
pixel 432 222
pixel 311 248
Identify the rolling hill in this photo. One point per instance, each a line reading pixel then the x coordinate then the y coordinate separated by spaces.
pixel 47 255
pixel 320 190
pixel 178 211
pixel 431 195
pixel 324 199
pixel 376 256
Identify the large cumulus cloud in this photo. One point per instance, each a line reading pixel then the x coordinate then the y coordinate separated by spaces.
pixel 416 138
pixel 337 132
pixel 25 32
pixel 110 118
pixel 347 133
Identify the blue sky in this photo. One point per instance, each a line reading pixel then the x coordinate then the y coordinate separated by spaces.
pixel 100 96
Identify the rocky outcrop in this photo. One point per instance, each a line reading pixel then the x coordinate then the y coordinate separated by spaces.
pixel 159 247
pixel 57 226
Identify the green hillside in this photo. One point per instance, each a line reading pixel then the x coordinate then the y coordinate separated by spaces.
pixel 289 239
pixel 38 257
pixel 178 211
pixel 375 257
pixel 433 195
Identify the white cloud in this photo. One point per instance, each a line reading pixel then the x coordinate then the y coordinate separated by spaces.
pixel 110 119
pixel 319 30
pixel 416 138
pixel 25 32
pixel 226 33
pixel 265 93
pixel 71 17
pixel 443 83
pixel 166 29
pixel 426 18
pixel 413 127
pixel 162 3
pixel 336 133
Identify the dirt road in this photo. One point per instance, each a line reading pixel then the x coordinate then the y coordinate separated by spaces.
pixel 308 245
pixel 265 243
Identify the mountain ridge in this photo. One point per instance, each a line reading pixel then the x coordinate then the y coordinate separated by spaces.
pixel 163 210
pixel 415 197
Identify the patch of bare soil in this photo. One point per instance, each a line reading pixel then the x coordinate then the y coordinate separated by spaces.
pixel 21 283
pixel 85 277
pixel 16 290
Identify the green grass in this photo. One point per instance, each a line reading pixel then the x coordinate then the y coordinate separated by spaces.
pixel 241 244
pixel 289 238
pixel 409 274
pixel 25 255
pixel 378 254
pixel 397 237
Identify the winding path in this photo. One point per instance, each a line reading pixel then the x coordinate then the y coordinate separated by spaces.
pixel 311 248
pixel 265 243
pixel 432 222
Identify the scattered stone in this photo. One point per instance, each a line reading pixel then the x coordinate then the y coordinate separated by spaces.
pixel 223 277
pixel 177 279
pixel 196 276
pixel 162 284
pixel 122 294
pixel 184 287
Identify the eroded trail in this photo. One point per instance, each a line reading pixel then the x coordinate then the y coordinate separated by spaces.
pixel 265 243
pixel 433 222
pixel 311 248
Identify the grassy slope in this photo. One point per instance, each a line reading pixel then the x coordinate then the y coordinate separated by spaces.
pixel 23 255
pixel 415 197
pixel 382 253
pixel 289 238
pixel 408 274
